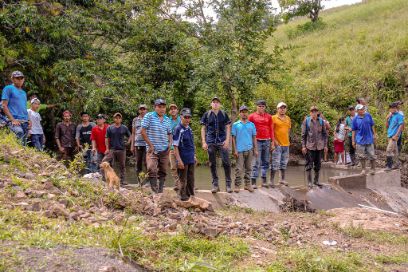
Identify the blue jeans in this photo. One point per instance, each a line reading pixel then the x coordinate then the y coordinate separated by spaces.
pixel 96 161
pixel 20 131
pixel 212 156
pixel 280 157
pixel 89 162
pixel 262 161
pixel 37 141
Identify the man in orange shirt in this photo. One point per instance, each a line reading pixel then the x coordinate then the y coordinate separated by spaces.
pixel 280 156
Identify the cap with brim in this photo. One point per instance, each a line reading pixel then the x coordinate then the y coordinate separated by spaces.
pixel 243 108
pixel 215 98
pixel 351 108
pixel 359 107
pixel 159 102
pixel 142 106
pixel 66 112
pixel 117 114
pixel 185 112
pixel 394 105
pixel 173 106
pixel 17 74
pixel 400 102
pixel 314 108
pixel 100 116
pixel 280 104
pixel 35 100
pixel 261 103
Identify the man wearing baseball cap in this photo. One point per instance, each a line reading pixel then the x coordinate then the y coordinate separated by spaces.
pixel 156 131
pixel 395 125
pixel 138 144
pixel 65 137
pixel 174 121
pixel 265 142
pixel 351 114
pixel 98 134
pixel 36 132
pixel 280 156
pixel 14 102
pixel 364 136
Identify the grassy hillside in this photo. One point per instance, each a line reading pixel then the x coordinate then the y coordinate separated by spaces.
pixel 359 50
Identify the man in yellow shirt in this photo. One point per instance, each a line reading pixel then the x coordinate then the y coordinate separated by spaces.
pixel 280 156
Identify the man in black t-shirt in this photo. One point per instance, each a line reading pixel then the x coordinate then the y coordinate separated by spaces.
pixel 115 144
pixel 83 141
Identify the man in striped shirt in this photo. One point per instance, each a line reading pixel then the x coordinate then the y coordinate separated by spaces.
pixel 156 131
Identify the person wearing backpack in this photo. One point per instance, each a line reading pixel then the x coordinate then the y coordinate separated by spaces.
pixel 314 142
pixel 215 137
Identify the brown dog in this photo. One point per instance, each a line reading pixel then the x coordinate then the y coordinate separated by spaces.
pixel 111 178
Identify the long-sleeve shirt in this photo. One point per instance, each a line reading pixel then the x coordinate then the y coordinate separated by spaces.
pixel 314 134
pixel 263 124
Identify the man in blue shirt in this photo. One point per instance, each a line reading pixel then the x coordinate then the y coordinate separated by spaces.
pixel 363 138
pixel 174 121
pixel 184 150
pixel 138 144
pixel 244 146
pixel 215 136
pixel 395 124
pixel 14 102
pixel 156 132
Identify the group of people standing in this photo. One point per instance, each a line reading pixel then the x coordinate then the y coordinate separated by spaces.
pixel 158 139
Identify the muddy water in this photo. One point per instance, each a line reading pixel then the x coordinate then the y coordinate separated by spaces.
pixel 295 176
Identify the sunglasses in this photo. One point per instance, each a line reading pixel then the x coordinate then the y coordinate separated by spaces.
pixel 19 78
pixel 283 107
pixel 261 106
pixel 142 109
pixel 187 117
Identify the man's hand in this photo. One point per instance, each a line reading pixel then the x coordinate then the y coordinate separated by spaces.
pixel 15 123
pixel 326 149
pixel 395 138
pixel 354 145
pixel 205 146
pixel 195 160
pixel 180 165
pixel 225 145
pixel 151 149
pixel 236 154
pixel 272 148
pixel 304 150
pixel 94 151
pixel 61 149
pixel 375 137
pixel 389 115
pixel 107 151
pixel 44 140
pixel 256 152
pixel 132 149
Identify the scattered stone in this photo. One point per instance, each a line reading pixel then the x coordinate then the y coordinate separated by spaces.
pixel 20 194
pixel 57 210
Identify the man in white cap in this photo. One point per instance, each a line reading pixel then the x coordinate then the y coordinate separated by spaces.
pixel 280 156
pixel 36 132
pixel 14 102
pixel 364 136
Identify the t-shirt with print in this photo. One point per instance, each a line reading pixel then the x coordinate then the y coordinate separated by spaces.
pixel 183 138
pixel 116 136
pixel 281 128
pixel 35 119
pixel 83 133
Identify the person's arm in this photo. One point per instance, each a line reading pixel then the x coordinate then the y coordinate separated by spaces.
pixel 132 140
pixel 353 138
pixel 57 140
pixel 8 114
pixel 170 140
pixel 325 137
pixel 128 135
pixel 396 136
pixel 203 141
pixel 227 139
pixel 255 145
pixel 304 137
pixel 180 164
pixel 272 133
pixel 107 142
pixel 234 146
pixel 77 134
pixel 147 140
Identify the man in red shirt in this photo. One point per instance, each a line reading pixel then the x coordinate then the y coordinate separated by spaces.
pixel 265 142
pixel 98 141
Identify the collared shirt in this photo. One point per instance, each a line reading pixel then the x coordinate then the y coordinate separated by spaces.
pixel 65 134
pixel 98 135
pixel 35 119
pixel 362 125
pixel 183 138
pixel 349 123
pixel 396 120
pixel 116 136
pixel 314 134
pixel 17 101
pixel 157 130
pixel 264 125
pixel 216 126
pixel 243 133
pixel 137 125
pixel 173 124
pixel 281 128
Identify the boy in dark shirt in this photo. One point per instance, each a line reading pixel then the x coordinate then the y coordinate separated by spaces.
pixel 183 142
pixel 115 144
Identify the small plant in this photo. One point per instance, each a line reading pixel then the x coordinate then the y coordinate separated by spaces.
pixel 77 164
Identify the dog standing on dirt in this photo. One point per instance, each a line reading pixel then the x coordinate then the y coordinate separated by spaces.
pixel 111 178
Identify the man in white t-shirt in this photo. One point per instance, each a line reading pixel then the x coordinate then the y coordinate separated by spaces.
pixel 36 132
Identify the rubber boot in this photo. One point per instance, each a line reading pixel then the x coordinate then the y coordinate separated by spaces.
pixel 273 172
pixel 161 186
pixel 372 164
pixel 363 167
pixel 153 185
pixel 316 179
pixel 253 182
pixel 264 182
pixel 388 164
pixel 282 179
pixel 309 179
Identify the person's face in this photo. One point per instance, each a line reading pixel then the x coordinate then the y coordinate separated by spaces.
pixel 85 118
pixel 173 111
pixel 361 111
pixel 244 115
pixel 100 121
pixel 35 106
pixel 142 111
pixel 282 110
pixel 186 120
pixel 260 108
pixel 117 119
pixel 160 110
pixel 352 112
pixel 393 110
pixel 18 81
pixel 215 105
pixel 67 117
pixel 313 113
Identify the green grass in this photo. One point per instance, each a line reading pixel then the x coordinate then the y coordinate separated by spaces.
pixel 376 236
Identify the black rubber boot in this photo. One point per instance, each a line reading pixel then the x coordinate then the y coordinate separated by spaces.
pixel 309 179
pixel 253 182
pixel 273 172
pixel 283 180
pixel 264 182
pixel 316 179
pixel 161 186
pixel 153 185
pixel 388 164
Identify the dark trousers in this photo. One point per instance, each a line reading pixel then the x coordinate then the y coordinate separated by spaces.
pixel 186 176
pixel 67 155
pixel 226 163
pixel 117 156
pixel 157 164
pixel 313 160
pixel 352 150
pixel 140 156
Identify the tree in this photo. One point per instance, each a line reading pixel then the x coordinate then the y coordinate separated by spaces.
pixel 295 8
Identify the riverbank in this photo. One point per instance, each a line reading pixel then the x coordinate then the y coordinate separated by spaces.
pixel 51 220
